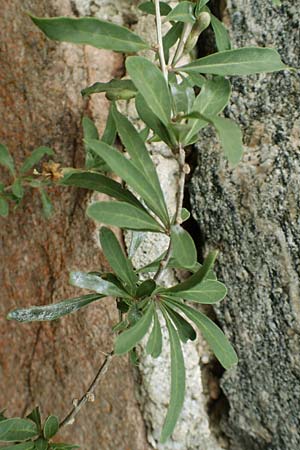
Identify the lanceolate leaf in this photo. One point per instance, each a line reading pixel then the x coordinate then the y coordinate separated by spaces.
pixel 110 132
pixel 153 122
pixel 137 238
pixel 51 427
pixel 35 416
pixel 213 98
pixel 241 61
pixel 91 31
pixel 177 382
pixel 171 37
pixel 183 247
pixel 4 208
pixel 146 288
pixel 6 159
pixel 129 338
pixel 17 430
pixel 231 138
pixel 206 292
pixel 97 182
pixel 134 177
pixel 154 344
pixel 23 446
pixel 116 257
pixel 183 12
pixel 35 158
pixel 221 34
pixel 184 329
pixel 212 334
pixel 96 283
pixel 54 311
pixel 152 85
pixel 149 8
pixel 123 215
pixel 115 89
pixel 139 154
pixel 92 161
pixel 197 277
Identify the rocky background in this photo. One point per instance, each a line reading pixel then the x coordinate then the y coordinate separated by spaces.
pixel 250 213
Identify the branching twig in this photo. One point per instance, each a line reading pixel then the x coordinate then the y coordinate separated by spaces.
pixel 89 395
pixel 179 201
pixel 160 40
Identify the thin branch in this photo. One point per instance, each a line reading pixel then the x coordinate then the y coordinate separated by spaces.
pixel 89 394
pixel 160 40
pixel 179 202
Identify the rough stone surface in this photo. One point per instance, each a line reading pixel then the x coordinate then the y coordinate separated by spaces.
pixel 52 363
pixel 251 214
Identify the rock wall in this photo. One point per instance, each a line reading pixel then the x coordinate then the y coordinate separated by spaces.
pixel 251 214
pixel 51 363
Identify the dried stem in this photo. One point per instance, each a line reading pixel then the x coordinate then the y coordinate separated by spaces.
pixel 179 202
pixel 160 41
pixel 89 394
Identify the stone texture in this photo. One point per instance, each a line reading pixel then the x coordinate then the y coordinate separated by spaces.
pixel 51 363
pixel 251 214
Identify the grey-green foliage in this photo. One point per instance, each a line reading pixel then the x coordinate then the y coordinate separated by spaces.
pixel 174 107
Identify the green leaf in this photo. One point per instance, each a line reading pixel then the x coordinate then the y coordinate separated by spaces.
pixel 137 238
pixel 110 132
pixel 140 157
pixel 17 429
pixel 46 203
pixel 17 189
pixel 116 257
pixel 91 31
pixel 62 446
pixel 51 427
pixel 96 283
pixel 206 292
pixel 195 79
pixel 130 337
pixel 53 311
pixel 171 37
pixel 177 382
pixel 183 247
pixel 185 214
pixel 123 215
pixel 231 138
pixel 215 337
pixel 241 61
pixel 183 12
pixel 6 159
pixel 154 344
pixel 115 89
pixel 183 96
pixel 35 416
pixel 35 158
pixel 146 288
pixel 184 329
pixel 152 85
pixel 133 177
pixel 23 446
pixel 41 444
pixel 4 207
pixel 213 98
pixel 197 277
pixel 153 122
pixel 90 131
pixel 149 8
pixel 100 183
pixel 221 34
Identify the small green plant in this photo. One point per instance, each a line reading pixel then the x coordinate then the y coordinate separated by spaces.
pixel 175 101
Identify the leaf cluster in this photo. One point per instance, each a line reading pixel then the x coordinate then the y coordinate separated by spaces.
pixel 174 108
pixel 30 433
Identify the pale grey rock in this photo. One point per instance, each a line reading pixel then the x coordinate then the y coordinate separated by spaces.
pixel 251 214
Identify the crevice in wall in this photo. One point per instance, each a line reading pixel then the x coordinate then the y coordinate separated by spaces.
pixel 217 406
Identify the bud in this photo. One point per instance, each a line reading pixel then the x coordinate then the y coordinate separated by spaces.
pixel 203 21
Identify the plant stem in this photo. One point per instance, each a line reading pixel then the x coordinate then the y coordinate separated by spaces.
pixel 179 201
pixel 160 40
pixel 184 36
pixel 89 394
